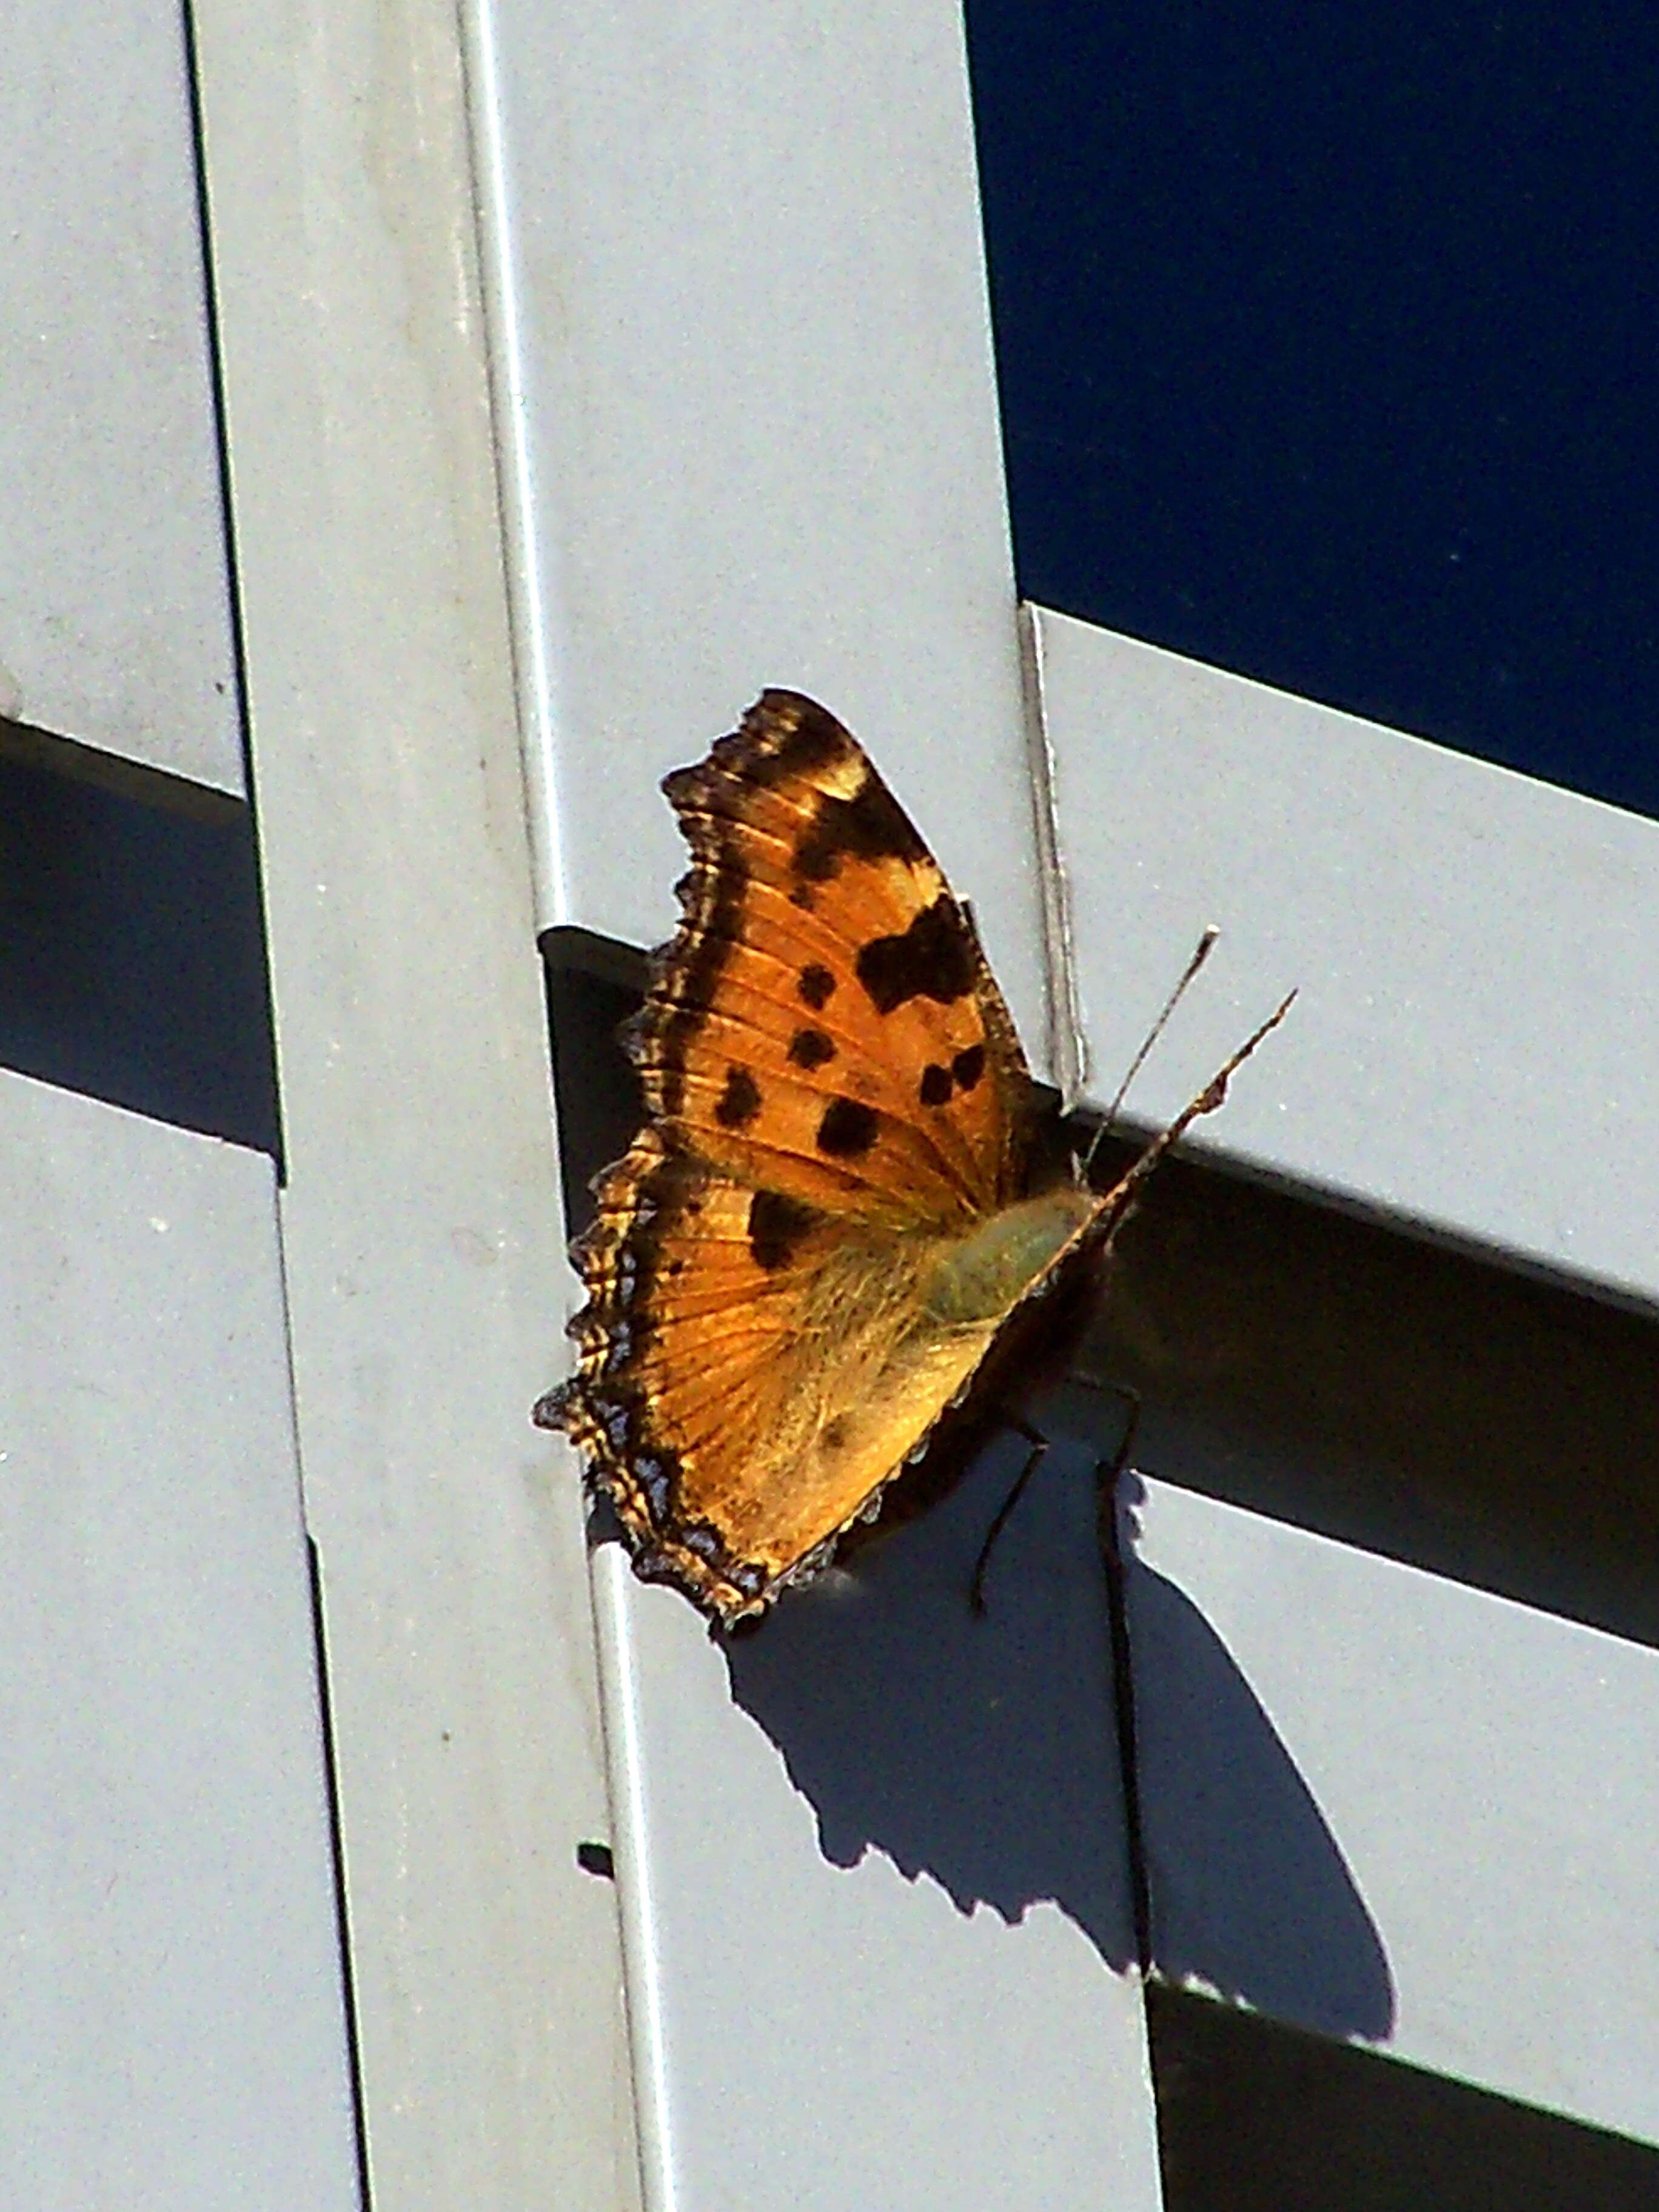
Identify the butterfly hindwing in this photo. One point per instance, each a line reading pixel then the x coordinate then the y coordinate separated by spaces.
pixel 749 1375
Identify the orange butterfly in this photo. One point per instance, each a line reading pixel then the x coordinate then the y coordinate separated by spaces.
pixel 834 1206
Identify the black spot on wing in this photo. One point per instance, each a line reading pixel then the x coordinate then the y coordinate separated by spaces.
pixel 740 1101
pixel 848 1129
pixel 969 1066
pixel 817 987
pixel 931 959
pixel 783 733
pixel 871 825
pixel 776 1226
pixel 811 1048
pixel 797 734
pixel 935 1086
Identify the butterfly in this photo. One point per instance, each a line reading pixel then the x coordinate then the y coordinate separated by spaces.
pixel 838 1199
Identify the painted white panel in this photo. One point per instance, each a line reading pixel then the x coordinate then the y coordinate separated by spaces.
pixel 1474 1047
pixel 114 608
pixel 420 1211
pixel 1381 1805
pixel 875 1878
pixel 746 374
pixel 172 2027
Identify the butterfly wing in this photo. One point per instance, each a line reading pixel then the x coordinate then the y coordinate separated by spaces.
pixel 835 1094
pixel 824 1025
pixel 750 1373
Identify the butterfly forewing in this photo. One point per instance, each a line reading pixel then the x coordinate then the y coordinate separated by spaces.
pixel 824 1024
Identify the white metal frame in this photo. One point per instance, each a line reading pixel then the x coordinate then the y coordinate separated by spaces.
pixel 747 400
pixel 1473 1053
pixel 172 2015
pixel 115 626
pixel 420 1230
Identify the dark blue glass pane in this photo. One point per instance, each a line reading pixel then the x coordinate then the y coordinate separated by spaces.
pixel 1329 343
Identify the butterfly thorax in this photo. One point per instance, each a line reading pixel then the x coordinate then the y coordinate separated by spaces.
pixel 982 1275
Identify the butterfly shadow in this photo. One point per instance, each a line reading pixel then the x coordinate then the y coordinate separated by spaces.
pixel 1250 1893
pixel 984 1752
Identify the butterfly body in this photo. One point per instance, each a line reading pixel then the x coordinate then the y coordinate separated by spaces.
pixel 983 1275
pixel 834 1206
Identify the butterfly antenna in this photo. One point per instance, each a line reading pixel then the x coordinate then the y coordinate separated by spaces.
pixel 1212 1096
pixel 1199 957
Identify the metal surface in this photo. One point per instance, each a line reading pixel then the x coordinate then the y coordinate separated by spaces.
pixel 747 395
pixel 1389 1808
pixel 1474 1049
pixel 876 1881
pixel 114 605
pixel 172 2026
pixel 420 1226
